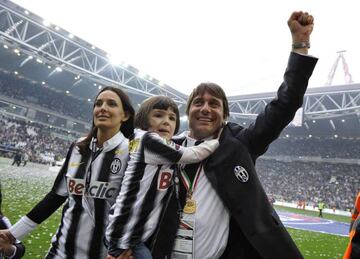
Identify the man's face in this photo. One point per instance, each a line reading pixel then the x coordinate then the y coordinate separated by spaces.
pixel 206 116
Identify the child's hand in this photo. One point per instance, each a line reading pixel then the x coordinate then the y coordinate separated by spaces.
pixel 127 254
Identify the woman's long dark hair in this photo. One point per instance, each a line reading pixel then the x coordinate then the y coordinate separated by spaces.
pixel 127 127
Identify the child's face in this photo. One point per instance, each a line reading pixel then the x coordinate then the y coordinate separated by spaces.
pixel 162 122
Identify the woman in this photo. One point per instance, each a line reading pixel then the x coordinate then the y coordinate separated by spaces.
pixel 89 182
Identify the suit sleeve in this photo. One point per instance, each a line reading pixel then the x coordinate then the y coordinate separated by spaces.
pixel 281 110
pixel 159 151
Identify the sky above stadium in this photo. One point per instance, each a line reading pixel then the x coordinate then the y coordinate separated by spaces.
pixel 241 45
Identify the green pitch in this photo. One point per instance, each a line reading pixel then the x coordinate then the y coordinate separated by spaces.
pixel 23 187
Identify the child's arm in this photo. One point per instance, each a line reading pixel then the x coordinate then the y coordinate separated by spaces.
pixel 159 151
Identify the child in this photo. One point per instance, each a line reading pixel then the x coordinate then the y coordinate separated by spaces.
pixel 148 182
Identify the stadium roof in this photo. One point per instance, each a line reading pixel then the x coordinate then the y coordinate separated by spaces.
pixel 49 55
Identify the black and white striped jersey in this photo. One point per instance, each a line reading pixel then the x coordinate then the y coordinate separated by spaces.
pixel 144 190
pixel 90 184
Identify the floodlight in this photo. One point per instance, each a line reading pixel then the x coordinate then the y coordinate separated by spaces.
pixel 46 23
pixel 114 60
pixel 141 74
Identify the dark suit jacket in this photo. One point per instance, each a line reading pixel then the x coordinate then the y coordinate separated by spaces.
pixel 255 228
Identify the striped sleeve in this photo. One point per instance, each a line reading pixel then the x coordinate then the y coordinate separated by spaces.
pixel 159 151
pixel 122 211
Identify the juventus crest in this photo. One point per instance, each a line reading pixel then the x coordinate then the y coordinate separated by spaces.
pixel 115 166
pixel 241 174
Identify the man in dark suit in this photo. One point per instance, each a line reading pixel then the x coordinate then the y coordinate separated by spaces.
pixel 223 197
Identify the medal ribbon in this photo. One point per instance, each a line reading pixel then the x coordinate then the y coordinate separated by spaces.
pixel 190 186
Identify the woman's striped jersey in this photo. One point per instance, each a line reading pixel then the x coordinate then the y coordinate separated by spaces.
pixel 90 184
pixel 145 187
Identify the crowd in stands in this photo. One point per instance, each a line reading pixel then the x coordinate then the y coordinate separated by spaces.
pixel 38 94
pixel 40 142
pixel 316 147
pixel 336 184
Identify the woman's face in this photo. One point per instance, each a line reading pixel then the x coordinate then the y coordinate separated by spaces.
pixel 108 111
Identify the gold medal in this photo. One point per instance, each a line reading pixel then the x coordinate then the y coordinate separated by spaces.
pixel 190 206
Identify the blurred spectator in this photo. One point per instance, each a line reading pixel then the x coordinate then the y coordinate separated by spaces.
pixel 17 158
pixel 25 158
pixel 321 206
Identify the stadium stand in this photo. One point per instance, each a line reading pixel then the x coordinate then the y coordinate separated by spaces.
pixel 324 147
pixel 42 143
pixel 292 181
pixel 27 92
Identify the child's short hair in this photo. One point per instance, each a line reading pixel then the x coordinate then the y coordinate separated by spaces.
pixel 155 102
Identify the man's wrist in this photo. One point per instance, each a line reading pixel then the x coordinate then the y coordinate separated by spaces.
pixel 301 45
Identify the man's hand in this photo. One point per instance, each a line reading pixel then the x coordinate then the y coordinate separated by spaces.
pixel 301 25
